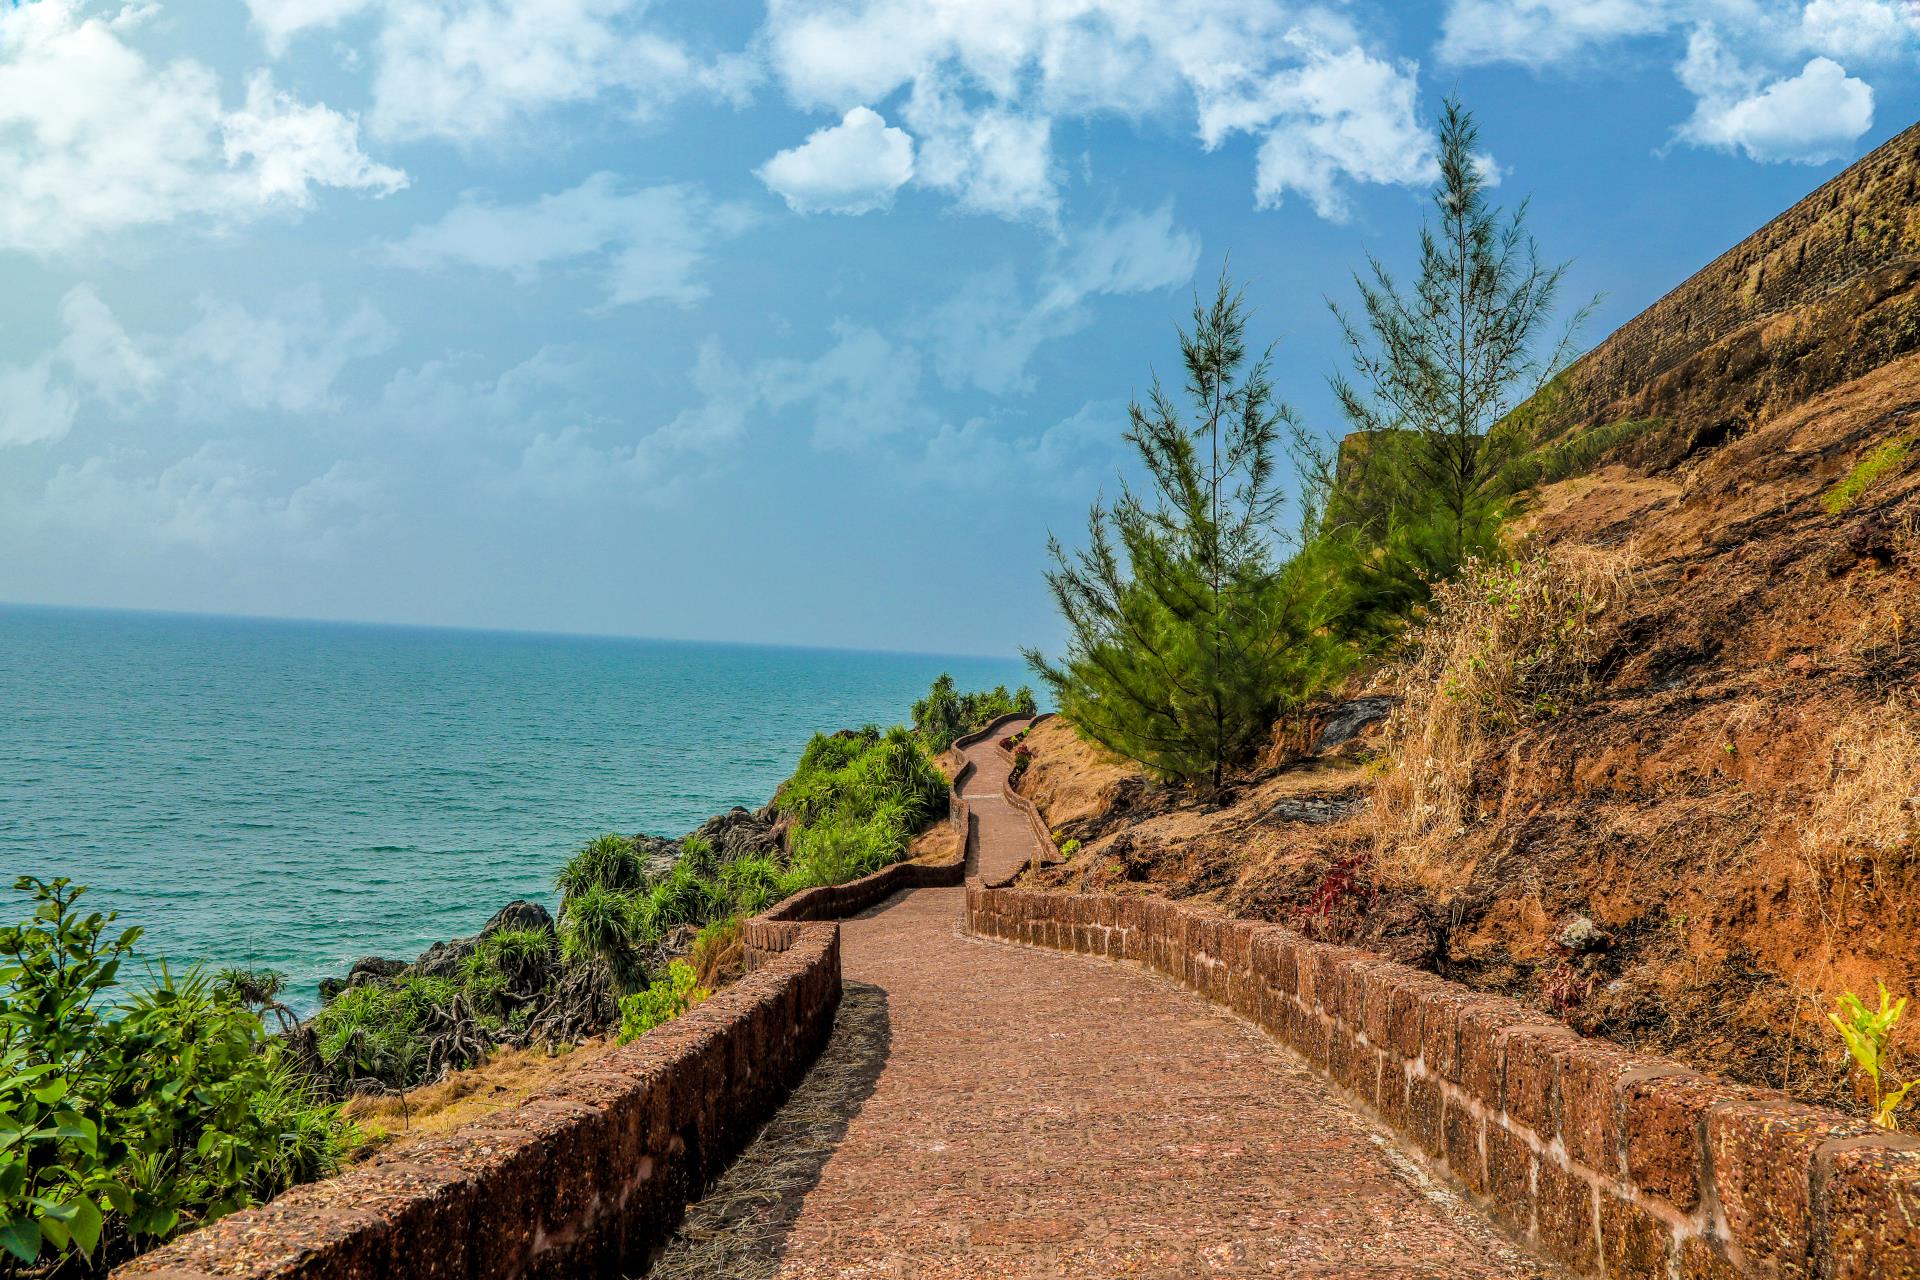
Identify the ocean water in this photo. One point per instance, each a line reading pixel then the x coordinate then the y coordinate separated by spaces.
pixel 299 794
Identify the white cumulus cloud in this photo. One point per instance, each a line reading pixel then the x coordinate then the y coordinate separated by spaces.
pixel 649 244
pixel 986 333
pixel 34 407
pixel 1777 80
pixel 210 499
pixel 1812 117
pixel 985 82
pixel 95 137
pixel 469 70
pixel 851 167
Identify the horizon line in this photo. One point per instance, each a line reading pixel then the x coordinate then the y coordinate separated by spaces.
pixel 469 629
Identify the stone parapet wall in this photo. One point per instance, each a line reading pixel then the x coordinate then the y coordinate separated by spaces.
pixel 1827 291
pixel 585 1178
pixel 1611 1162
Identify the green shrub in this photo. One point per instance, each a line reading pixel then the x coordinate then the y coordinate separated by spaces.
pixel 596 923
pixel 751 885
pixel 607 862
pixel 665 999
pixel 508 968
pixel 945 714
pixel 1889 456
pixel 127 1124
pixel 681 897
pixel 376 1032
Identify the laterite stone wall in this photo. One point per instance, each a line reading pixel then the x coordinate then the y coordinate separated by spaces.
pixel 584 1179
pixel 1611 1162
pixel 1825 292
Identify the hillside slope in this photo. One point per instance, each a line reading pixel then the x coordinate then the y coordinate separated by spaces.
pixel 1735 804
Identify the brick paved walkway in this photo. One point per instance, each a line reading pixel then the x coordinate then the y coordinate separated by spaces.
pixel 992 1110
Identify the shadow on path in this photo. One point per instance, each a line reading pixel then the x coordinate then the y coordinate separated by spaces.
pixel 739 1228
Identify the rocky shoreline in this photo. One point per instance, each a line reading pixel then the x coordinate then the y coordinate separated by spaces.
pixel 737 833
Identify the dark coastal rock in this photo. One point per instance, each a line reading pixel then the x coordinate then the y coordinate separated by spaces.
pixel 363 971
pixel 519 914
pixel 1347 721
pixel 737 833
pixel 743 833
pixel 373 969
pixel 443 959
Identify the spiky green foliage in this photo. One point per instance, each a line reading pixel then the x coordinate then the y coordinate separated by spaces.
pixel 607 862
pixel 1436 367
pixel 751 885
pixel 376 1032
pixel 859 799
pixel 1185 633
pixel 509 969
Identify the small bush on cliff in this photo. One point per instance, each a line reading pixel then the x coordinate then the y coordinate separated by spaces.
pixel 945 714
pixel 380 1034
pixel 1503 644
pixel 669 996
pixel 859 800
pixel 751 885
pixel 120 1126
pixel 509 969
pixel 1868 1034
pixel 607 862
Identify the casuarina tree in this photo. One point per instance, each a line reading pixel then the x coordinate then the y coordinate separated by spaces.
pixel 1435 370
pixel 1182 630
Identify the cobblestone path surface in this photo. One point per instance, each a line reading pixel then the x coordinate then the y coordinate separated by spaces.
pixel 993 1110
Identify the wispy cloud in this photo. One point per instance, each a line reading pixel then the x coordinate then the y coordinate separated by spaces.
pixel 647 244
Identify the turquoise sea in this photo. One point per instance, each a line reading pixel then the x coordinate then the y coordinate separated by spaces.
pixel 299 794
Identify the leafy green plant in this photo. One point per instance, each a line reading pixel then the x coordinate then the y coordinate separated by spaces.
pixel 509 968
pixel 1868 1034
pixel 666 998
pixel 607 862
pixel 377 1031
pixel 751 884
pixel 122 1124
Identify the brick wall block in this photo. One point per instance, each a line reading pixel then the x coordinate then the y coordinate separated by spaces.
pixel 1762 1159
pixel 1531 1074
pixel 1871 1210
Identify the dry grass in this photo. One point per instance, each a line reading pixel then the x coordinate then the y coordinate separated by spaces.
pixel 507 1079
pixel 719 955
pixel 1503 645
pixel 1862 840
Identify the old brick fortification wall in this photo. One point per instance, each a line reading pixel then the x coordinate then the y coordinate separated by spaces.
pixel 583 1179
pixel 1613 1163
pixel 1825 292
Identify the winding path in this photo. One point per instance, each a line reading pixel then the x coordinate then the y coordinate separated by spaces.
pixel 993 1110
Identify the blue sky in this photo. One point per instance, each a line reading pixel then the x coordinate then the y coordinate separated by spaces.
pixel 802 322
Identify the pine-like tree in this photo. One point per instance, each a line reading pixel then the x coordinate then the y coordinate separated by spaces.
pixel 1435 370
pixel 1185 635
